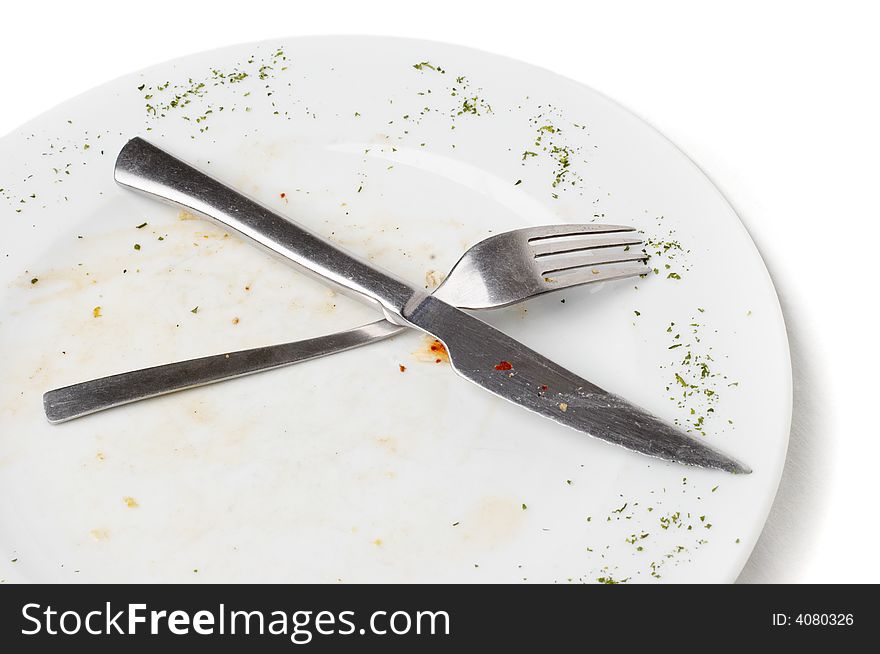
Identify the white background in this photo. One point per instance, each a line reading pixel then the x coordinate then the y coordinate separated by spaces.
pixel 779 102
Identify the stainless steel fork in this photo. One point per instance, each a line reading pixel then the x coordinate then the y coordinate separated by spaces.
pixel 499 271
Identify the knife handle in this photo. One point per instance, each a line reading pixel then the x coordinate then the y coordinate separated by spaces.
pixel 77 400
pixel 144 167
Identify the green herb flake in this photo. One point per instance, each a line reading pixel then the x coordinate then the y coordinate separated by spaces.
pixel 422 65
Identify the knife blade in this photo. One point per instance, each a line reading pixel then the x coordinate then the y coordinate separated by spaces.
pixel 509 369
pixel 477 351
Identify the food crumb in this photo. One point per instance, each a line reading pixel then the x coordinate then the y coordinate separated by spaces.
pixel 504 365
pixel 402 367
pixel 99 534
pixel 96 312
pixel 130 502
pixel 563 406
pixel 235 320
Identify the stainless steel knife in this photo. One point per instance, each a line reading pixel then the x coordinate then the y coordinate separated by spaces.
pixel 477 351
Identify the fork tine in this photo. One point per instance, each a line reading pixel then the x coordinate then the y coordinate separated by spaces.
pixel 546 248
pixel 575 260
pixel 553 231
pixel 579 276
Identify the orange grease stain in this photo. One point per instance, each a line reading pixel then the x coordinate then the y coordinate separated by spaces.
pixel 438 350
pixel 431 351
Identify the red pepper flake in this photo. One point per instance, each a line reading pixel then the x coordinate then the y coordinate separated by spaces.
pixel 402 367
pixel 544 387
pixel 504 365
pixel 283 195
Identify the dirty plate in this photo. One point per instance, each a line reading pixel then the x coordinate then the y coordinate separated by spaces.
pixel 378 464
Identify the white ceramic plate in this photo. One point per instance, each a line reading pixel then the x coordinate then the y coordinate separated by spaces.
pixel 347 469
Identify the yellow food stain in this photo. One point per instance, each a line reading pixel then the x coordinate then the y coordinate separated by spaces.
pixel 130 502
pixel 387 443
pixel 99 534
pixel 186 215
pixel 491 522
pixel 378 542
pixel 431 279
pixel 214 234
pixel 96 312
pixel 99 456
pixel 563 406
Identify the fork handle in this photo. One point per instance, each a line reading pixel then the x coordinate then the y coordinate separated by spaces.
pixel 144 167
pixel 69 402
